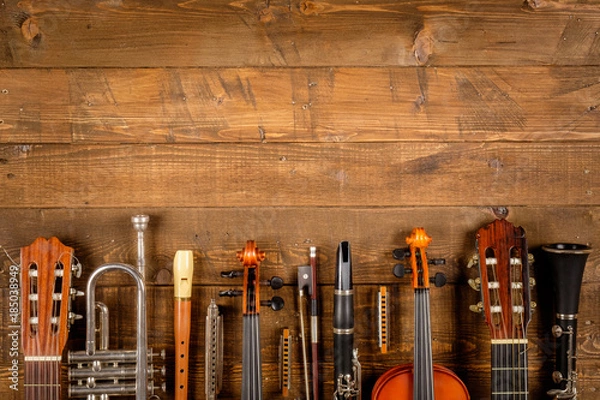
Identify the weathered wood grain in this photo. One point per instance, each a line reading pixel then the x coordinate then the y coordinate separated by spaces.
pixel 299 105
pixel 285 234
pixel 318 175
pixel 298 33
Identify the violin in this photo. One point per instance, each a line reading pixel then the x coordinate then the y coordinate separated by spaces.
pixel 421 380
pixel 251 257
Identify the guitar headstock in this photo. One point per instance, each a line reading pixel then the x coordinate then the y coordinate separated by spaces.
pixel 504 279
pixel 46 271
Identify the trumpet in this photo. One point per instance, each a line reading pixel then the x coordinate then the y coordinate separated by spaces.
pixel 98 372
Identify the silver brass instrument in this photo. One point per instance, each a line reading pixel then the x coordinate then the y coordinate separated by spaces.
pixel 566 262
pixel 99 372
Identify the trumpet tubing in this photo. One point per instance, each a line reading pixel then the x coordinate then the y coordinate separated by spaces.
pixel 99 372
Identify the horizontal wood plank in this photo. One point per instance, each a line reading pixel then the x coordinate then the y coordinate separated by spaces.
pixel 285 234
pixel 299 33
pixel 318 175
pixel 299 105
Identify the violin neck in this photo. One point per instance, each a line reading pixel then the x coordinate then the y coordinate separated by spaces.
pixel 423 360
pixel 251 360
pixel 509 369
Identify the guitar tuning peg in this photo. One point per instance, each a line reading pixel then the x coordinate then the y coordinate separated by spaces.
pixel 231 274
pixel 530 258
pixel 230 293
pixel 438 280
pixel 401 254
pixel 532 282
pixel 276 303
pixel 73 317
pixel 532 304
pixel 76 293
pixel 399 270
pixel 474 260
pixel 475 284
pixel 76 270
pixel 275 282
pixel 478 308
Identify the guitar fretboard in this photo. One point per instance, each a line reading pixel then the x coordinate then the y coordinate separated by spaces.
pixel 42 379
pixel 509 370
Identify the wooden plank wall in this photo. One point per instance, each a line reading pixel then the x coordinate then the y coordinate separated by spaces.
pixel 299 123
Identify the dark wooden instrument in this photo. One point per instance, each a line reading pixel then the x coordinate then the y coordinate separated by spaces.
pixel 46 270
pixel 505 291
pixel 566 264
pixel 421 380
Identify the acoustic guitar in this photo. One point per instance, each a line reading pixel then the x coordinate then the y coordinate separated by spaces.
pixel 46 270
pixel 505 304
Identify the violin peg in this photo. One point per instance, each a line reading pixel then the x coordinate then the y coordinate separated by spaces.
pixel 401 254
pixel 438 280
pixel 230 293
pixel 276 303
pixel 399 270
pixel 231 274
pixel 275 282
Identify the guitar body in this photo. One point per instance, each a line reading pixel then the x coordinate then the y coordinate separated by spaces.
pixel 397 384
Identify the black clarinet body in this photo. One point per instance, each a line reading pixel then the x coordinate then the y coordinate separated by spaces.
pixel 346 365
pixel 566 262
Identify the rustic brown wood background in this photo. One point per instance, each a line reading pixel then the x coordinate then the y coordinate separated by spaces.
pixel 299 123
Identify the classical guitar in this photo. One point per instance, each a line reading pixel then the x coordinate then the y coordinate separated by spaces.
pixel 421 380
pixel 505 303
pixel 46 270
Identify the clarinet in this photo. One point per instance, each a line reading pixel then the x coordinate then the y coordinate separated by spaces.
pixel 347 374
pixel 566 262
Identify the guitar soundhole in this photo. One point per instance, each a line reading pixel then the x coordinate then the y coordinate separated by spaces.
pixel 57 296
pixel 33 299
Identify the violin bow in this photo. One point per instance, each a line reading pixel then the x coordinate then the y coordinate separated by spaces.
pixel 314 327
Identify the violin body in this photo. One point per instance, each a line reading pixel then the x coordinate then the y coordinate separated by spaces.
pixel 397 384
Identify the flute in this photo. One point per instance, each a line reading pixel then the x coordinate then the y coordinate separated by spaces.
pixel 346 366
pixel 183 270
